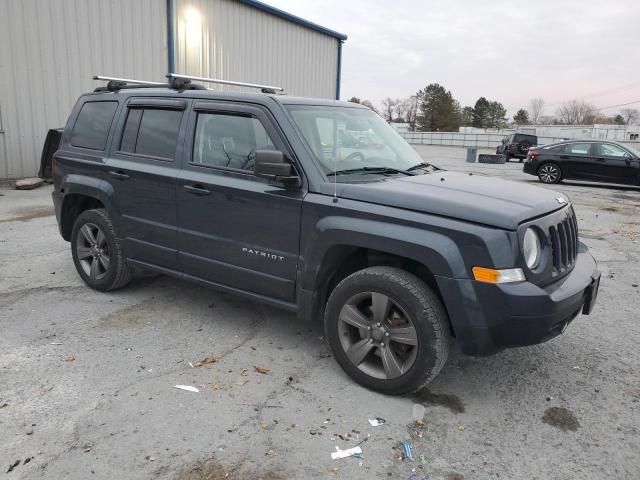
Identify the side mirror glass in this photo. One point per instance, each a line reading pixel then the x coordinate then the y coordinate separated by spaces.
pixel 271 164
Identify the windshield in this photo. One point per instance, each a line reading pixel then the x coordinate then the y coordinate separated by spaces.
pixel 353 141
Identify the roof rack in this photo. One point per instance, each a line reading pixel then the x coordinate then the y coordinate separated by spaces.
pixel 115 84
pixel 264 88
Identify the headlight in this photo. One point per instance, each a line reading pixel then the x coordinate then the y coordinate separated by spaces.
pixel 531 248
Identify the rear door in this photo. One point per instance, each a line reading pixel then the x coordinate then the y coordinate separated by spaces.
pixel 142 168
pixel 577 160
pixel 615 164
pixel 236 229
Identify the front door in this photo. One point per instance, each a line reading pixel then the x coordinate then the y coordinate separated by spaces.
pixel 616 164
pixel 142 169
pixel 234 228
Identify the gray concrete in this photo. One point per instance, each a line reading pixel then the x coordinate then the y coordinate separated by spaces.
pixel 103 403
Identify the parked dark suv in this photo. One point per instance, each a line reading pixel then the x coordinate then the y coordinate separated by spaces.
pixel 255 195
pixel 596 161
pixel 516 145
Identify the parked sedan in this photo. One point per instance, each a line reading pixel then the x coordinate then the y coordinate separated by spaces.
pixel 596 161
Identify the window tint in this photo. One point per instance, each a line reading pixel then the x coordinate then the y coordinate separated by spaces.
pixel 611 150
pixel 92 125
pixel 578 148
pixel 158 133
pixel 130 134
pixel 225 140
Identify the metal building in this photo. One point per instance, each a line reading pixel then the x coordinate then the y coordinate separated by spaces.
pixel 49 50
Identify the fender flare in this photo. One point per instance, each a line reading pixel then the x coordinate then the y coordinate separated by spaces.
pixel 76 184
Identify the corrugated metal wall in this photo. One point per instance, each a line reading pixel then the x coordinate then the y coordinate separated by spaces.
pixel 229 40
pixel 49 49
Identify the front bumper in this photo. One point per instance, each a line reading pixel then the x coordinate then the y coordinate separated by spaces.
pixel 487 318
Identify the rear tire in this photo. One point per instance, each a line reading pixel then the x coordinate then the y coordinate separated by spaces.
pixel 549 173
pixel 387 329
pixel 507 157
pixel 97 252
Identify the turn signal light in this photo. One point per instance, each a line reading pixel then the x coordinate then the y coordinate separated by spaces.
pixel 489 275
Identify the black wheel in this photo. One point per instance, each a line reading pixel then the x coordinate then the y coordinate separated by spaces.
pixel 387 330
pixel 507 157
pixel 97 253
pixel 549 173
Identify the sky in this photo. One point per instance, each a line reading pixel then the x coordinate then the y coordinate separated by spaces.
pixel 509 51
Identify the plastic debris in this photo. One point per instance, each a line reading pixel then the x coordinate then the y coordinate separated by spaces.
pixel 55 343
pixel 204 361
pixel 349 452
pixel 415 476
pixel 376 422
pixel 406 449
pixel 418 411
pixel 188 388
pixel 423 460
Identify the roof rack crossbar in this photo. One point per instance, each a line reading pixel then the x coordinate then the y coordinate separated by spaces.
pixel 225 82
pixel 128 80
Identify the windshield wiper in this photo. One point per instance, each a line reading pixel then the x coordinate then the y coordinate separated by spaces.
pixel 373 170
pixel 422 165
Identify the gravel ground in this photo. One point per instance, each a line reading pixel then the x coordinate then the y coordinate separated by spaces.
pixel 87 379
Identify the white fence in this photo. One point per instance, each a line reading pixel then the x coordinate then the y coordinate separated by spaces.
pixel 479 140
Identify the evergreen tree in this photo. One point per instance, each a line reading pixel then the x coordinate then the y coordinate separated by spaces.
pixel 438 110
pixel 521 117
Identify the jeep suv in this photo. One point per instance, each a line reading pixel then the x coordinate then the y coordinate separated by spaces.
pixel 516 145
pixel 254 194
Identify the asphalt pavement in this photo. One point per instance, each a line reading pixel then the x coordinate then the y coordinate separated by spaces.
pixel 87 379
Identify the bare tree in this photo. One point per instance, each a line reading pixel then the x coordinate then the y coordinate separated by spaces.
pixel 630 115
pixel 577 112
pixel 536 110
pixel 411 111
pixel 389 109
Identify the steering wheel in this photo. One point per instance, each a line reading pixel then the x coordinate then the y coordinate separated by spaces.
pixel 353 156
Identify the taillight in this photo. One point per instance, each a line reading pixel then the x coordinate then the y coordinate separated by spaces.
pixel 533 153
pixel 513 145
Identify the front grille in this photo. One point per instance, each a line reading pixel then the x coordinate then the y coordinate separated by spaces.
pixel 564 243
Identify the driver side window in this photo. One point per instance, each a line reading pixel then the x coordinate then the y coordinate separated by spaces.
pixel 228 140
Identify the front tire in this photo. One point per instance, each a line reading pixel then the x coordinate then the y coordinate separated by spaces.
pixel 387 329
pixel 549 173
pixel 97 252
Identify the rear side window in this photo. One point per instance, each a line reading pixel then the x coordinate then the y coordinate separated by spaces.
pixel 578 148
pixel 152 132
pixel 93 124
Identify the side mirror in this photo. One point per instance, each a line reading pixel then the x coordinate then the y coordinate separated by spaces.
pixel 271 164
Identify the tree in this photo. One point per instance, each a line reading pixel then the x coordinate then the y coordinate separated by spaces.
pixel 619 120
pixel 521 117
pixel 536 110
pixel 467 116
pixel 410 110
pixel 438 110
pixel 481 113
pixel 577 112
pixel 389 106
pixel 630 115
pixel 497 115
pixel 366 103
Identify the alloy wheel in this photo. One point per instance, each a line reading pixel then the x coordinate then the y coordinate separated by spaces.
pixel 549 173
pixel 93 251
pixel 377 335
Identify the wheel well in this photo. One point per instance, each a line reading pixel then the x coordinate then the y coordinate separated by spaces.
pixel 341 261
pixel 72 207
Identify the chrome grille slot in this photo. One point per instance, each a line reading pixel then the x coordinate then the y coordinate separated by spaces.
pixel 564 243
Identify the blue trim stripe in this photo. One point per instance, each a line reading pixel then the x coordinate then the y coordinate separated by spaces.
pixel 292 18
pixel 171 58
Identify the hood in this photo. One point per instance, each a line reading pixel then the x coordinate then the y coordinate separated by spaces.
pixel 475 198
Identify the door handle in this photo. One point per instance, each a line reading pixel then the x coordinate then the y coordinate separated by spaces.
pixel 120 175
pixel 197 189
pixel 601 160
pixel 564 157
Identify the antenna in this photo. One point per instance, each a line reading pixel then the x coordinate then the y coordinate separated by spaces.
pixel 226 82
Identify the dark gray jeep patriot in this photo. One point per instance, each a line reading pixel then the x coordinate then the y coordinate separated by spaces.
pixel 265 196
